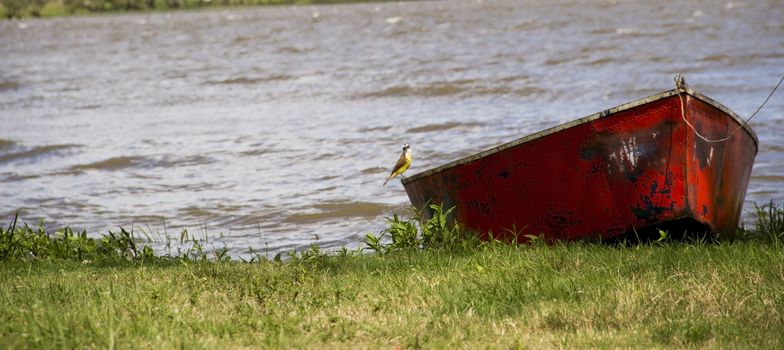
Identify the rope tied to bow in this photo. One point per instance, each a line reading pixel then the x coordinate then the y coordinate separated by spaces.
pixel 681 87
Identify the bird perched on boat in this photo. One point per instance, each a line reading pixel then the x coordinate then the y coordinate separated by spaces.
pixel 402 164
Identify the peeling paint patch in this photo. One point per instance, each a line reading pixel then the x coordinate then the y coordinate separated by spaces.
pixel 561 222
pixel 703 152
pixel 587 153
pixel 649 211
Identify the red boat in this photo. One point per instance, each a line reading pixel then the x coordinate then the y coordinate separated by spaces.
pixel 677 160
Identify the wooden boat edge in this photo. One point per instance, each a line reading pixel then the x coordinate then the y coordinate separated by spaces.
pixel 587 119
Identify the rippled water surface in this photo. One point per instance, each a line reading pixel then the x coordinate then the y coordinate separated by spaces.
pixel 273 128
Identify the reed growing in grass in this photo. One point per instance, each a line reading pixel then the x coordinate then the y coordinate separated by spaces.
pixel 435 292
pixel 21 242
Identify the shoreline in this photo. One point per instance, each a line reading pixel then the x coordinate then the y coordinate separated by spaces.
pixel 503 296
pixel 20 10
pixel 431 287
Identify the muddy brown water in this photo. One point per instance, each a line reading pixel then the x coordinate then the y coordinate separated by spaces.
pixel 273 128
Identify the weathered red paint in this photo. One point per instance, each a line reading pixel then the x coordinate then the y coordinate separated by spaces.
pixel 632 167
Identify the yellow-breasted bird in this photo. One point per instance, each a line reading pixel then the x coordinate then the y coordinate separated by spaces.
pixel 402 163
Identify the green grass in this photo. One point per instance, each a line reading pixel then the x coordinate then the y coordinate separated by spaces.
pixel 566 295
pixel 54 9
pixel 428 291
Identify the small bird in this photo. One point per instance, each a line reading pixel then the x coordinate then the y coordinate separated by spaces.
pixel 402 164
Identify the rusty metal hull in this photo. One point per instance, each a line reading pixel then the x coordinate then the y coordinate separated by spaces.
pixel 633 167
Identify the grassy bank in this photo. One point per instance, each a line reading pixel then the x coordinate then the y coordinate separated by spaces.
pixel 575 295
pixel 424 291
pixel 57 8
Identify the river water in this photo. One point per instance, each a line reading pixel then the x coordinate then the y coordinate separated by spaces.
pixel 273 127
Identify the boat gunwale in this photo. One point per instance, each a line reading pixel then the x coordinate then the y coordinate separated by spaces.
pixel 603 114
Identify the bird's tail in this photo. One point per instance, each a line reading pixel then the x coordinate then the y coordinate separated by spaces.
pixel 387 180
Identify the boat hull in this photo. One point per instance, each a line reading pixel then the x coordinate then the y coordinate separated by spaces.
pixel 631 168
